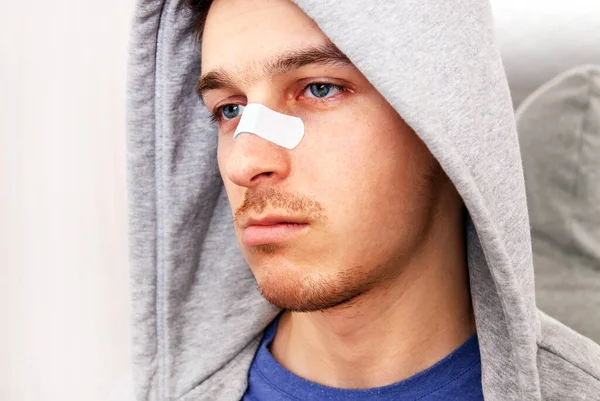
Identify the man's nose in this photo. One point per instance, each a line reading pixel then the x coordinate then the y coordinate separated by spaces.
pixel 254 160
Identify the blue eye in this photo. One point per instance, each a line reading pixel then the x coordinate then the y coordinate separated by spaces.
pixel 322 90
pixel 231 111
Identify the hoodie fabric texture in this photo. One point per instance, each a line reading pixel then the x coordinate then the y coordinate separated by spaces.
pixel 197 315
pixel 559 133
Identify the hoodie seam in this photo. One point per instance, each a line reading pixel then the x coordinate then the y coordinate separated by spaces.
pixel 568 361
pixel 162 387
pixel 581 133
pixel 502 257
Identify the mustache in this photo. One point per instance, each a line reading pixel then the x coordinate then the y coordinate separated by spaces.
pixel 297 205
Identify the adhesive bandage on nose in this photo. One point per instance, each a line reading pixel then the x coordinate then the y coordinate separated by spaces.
pixel 281 129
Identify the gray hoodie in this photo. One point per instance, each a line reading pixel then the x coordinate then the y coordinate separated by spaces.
pixel 559 132
pixel 197 315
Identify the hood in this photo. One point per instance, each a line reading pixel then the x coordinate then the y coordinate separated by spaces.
pixel 559 132
pixel 197 315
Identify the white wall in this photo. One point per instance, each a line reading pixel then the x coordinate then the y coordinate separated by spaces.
pixel 64 328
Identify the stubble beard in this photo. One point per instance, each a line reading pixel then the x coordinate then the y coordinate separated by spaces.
pixel 306 293
pixel 316 292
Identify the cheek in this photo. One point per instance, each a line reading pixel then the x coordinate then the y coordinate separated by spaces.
pixel 222 152
pixel 365 165
pixel 222 162
pixel 354 152
pixel 231 189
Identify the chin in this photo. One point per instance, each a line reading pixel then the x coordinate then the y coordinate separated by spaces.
pixel 307 291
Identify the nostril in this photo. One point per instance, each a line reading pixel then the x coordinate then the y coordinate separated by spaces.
pixel 265 174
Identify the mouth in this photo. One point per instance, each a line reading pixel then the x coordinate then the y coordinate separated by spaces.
pixel 272 230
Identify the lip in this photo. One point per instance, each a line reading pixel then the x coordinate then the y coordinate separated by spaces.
pixel 273 220
pixel 272 230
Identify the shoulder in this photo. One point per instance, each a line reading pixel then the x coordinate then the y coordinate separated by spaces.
pixel 568 363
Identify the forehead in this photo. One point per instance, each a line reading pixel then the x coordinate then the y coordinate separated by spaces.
pixel 239 34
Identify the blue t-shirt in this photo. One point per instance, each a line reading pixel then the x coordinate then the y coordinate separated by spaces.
pixel 456 377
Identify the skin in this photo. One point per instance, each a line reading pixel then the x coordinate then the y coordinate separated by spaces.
pixel 375 288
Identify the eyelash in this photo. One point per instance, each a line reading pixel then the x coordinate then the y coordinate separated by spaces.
pixel 216 115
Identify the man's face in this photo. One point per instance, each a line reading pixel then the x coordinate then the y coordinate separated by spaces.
pixel 360 182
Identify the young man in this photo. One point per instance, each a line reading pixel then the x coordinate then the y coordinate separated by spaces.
pixel 372 177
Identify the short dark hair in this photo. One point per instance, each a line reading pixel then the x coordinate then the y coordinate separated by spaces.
pixel 199 10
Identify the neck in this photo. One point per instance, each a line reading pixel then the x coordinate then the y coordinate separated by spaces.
pixel 391 332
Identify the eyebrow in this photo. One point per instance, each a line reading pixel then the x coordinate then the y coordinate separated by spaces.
pixel 327 54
